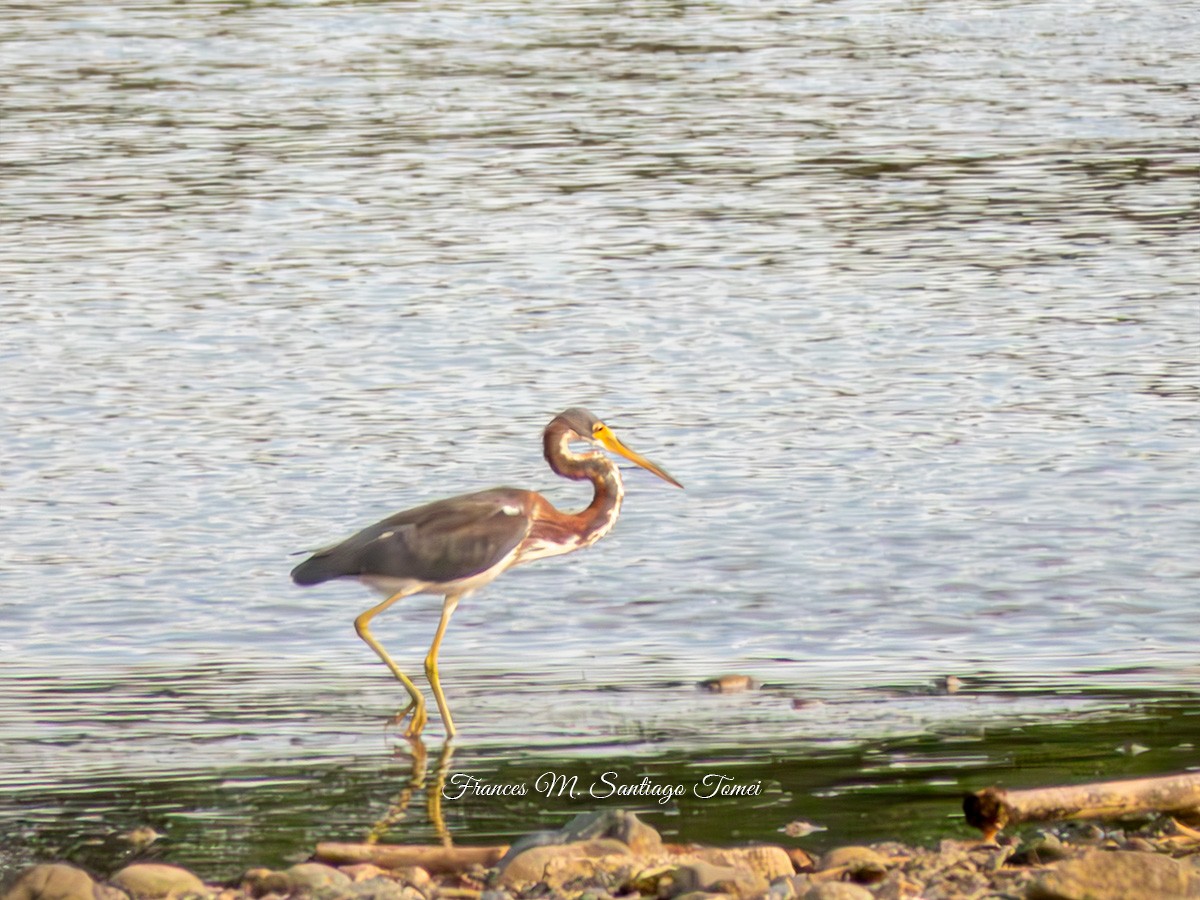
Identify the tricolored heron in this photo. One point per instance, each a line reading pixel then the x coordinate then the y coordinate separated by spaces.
pixel 454 546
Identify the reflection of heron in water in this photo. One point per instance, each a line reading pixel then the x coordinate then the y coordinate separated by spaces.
pixel 414 784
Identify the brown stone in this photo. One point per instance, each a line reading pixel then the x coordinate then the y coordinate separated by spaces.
pixel 143 881
pixel 560 863
pixel 383 888
pixel 704 876
pixel 414 876
pixel 801 860
pixel 364 871
pixel 765 861
pixel 862 864
pixel 52 881
pixel 1116 875
pixel 639 837
pixel 312 876
pixel 260 882
pixel 1140 844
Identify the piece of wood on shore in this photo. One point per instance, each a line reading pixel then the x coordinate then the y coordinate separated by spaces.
pixel 995 808
pixel 433 858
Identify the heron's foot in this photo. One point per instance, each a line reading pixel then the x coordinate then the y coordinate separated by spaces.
pixel 417 723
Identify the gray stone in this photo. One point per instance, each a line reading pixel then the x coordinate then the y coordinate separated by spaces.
pixel 1116 875
pixel 1040 851
pixel 381 888
pixel 610 823
pixel 558 864
pixel 311 876
pixel 707 877
pixel 838 890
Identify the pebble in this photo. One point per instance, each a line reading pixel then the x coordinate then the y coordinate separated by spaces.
pixel 1041 850
pixel 729 684
pixel 382 888
pixel 807 703
pixel 862 864
pixel 413 876
pixel 838 890
pixel 1139 843
pixel 365 871
pixel 799 828
pixel 801 861
pixel 949 684
pixel 141 837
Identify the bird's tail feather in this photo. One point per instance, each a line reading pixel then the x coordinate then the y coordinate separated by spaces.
pixel 316 569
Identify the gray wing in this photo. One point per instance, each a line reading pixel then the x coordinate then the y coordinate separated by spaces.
pixel 438 542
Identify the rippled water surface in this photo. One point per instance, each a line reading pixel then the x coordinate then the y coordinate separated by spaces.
pixel 906 294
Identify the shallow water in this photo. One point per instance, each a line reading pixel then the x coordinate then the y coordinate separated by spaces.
pixel 906 296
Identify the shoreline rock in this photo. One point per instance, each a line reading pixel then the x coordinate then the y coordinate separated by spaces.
pixel 613 854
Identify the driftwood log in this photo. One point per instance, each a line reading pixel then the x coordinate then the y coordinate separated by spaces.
pixel 433 858
pixel 994 808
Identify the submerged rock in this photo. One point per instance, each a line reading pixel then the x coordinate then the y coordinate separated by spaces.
pixel 730 684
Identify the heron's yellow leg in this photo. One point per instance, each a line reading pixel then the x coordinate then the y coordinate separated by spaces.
pixel 417 703
pixel 431 669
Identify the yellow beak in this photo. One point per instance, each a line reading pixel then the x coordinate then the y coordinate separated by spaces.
pixel 605 436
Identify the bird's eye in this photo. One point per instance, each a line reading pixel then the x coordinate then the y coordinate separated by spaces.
pixel 597 428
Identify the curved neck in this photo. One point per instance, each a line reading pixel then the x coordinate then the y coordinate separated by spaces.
pixel 599 517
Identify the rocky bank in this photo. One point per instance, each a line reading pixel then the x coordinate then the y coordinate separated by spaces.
pixel 615 855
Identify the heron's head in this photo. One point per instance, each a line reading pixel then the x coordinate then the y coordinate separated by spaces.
pixel 579 423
